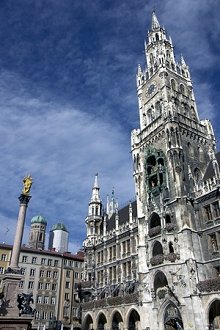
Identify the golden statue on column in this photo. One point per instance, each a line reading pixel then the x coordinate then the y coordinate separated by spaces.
pixel 27 183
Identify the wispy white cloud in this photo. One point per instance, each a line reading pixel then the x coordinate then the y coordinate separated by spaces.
pixel 63 148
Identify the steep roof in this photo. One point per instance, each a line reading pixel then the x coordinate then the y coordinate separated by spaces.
pixel 209 173
pixel 123 214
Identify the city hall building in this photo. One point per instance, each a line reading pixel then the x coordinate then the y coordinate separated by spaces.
pixel 155 264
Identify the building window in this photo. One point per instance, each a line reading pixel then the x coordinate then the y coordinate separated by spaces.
pixel 23 271
pixel 48 273
pixel 208 213
pixel 34 260
pixel 2 270
pixel 44 316
pixel 68 273
pixel 32 271
pixel 37 315
pixel 30 285
pixel 54 286
pixel 76 264
pixel 55 274
pixel 47 286
pixel 56 263
pixel 39 300
pixel 43 261
pixel 76 275
pixel 53 300
pixel 4 257
pixel 70 263
pixel 67 285
pixel 113 253
pixel 49 263
pixel 51 315
pixel 24 259
pixel 67 296
pixel 42 273
pixel 46 300
pixel 21 284
pixel 216 211
pixel 40 285
pixel 123 249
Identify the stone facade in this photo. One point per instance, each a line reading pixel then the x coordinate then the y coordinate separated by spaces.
pixel 154 264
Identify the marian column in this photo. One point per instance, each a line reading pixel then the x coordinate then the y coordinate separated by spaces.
pixel 24 200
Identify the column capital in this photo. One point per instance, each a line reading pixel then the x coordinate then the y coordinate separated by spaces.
pixel 24 199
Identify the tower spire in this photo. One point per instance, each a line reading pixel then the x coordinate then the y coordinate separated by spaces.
pixel 95 190
pixel 155 23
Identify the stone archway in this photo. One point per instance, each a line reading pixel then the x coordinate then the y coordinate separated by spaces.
pixel 116 320
pixel 214 315
pixel 88 323
pixel 133 320
pixel 101 324
pixel 172 318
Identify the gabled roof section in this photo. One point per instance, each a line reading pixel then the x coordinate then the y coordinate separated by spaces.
pixel 123 216
pixel 210 173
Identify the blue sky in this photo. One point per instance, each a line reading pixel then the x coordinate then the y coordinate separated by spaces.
pixel 68 97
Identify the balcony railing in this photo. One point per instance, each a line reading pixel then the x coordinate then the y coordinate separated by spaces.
pixel 154 231
pixel 111 301
pixel 157 260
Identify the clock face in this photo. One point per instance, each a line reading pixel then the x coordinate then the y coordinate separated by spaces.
pixel 151 89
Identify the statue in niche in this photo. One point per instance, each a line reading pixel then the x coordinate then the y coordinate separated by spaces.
pixel 214 244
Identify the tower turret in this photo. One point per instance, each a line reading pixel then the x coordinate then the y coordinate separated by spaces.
pixel 37 232
pixel 94 218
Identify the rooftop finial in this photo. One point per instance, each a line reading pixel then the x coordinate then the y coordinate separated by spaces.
pixel 96 185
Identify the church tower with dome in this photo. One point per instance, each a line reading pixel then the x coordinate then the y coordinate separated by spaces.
pixel 37 232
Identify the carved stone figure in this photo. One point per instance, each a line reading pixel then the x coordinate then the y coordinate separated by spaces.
pixel 24 301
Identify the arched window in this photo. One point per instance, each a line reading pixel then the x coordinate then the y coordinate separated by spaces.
pixel 160 281
pixel 171 249
pixel 150 116
pixel 157 249
pixel 134 319
pixel 117 319
pixel 101 322
pixel 173 84
pixel 167 219
pixel 182 89
pixel 157 37
pixel 158 108
pixel 155 220
pixel 88 323
pixel 97 210
pixel 214 315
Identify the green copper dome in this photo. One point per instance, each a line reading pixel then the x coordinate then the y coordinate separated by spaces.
pixel 38 219
pixel 59 226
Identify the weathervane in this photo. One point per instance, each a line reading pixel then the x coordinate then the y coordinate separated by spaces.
pixel 27 183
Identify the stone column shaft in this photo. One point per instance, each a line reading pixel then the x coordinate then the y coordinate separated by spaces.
pixel 19 231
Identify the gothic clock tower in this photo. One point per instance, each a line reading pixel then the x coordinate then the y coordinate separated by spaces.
pixel 170 151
